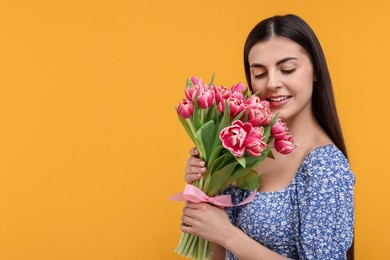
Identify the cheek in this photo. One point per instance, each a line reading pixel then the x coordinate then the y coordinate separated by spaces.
pixel 303 84
pixel 256 86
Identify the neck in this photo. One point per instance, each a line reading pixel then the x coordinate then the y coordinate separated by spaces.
pixel 306 131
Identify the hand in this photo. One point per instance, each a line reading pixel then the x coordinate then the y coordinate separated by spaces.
pixel 206 221
pixel 195 167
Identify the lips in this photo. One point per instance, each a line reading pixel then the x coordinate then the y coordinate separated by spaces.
pixel 277 101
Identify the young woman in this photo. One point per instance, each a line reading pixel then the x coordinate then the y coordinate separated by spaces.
pixel 304 208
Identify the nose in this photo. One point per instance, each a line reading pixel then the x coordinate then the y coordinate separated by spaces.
pixel 273 80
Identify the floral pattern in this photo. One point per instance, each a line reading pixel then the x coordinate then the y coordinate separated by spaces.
pixel 312 218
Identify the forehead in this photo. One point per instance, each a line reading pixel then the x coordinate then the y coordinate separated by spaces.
pixel 274 49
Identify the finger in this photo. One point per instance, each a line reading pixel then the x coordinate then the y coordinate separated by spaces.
pixel 194 151
pixel 194 170
pixel 190 178
pixel 188 212
pixel 192 207
pixel 186 228
pixel 195 161
pixel 187 221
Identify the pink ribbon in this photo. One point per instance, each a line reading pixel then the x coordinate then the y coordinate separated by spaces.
pixel 193 194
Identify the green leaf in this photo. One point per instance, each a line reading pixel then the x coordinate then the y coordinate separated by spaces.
pixel 273 121
pixel 204 139
pixel 189 83
pixel 212 114
pixel 188 128
pixel 195 118
pixel 212 80
pixel 241 160
pixel 219 178
pixel 251 181
pixel 266 134
pixel 267 130
pixel 215 153
pixel 257 93
pixel 270 155
pixel 238 173
pixel 251 160
pixel 238 116
pixel 220 162
pixel 245 92
pixel 261 157
pixel 225 122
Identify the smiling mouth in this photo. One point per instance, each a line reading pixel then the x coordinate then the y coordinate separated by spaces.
pixel 277 99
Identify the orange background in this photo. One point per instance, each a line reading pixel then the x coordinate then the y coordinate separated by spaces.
pixel 90 146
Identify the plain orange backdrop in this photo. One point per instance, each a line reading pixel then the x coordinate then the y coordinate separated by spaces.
pixel 90 146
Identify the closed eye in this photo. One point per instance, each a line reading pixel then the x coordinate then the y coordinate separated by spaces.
pixel 288 71
pixel 261 75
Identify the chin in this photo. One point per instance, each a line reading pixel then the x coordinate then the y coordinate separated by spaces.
pixel 281 115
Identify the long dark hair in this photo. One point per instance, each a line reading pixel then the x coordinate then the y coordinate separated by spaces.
pixel 323 104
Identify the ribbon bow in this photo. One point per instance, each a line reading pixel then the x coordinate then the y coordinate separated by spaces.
pixel 193 194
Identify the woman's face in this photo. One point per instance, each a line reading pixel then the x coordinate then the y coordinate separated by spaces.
pixel 283 73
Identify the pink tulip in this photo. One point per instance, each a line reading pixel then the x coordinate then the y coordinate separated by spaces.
pixel 206 97
pixel 266 113
pixel 279 129
pixel 221 107
pixel 256 115
pixel 253 101
pixel 233 137
pixel 196 81
pixel 238 87
pixel 185 108
pixel 190 93
pixel 221 93
pixel 241 137
pixel 254 144
pixel 285 145
pixel 236 103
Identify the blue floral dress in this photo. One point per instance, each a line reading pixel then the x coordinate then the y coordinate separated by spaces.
pixel 312 218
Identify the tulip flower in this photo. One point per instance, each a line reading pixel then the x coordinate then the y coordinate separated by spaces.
pixel 206 97
pixel 279 129
pixel 196 81
pixel 253 101
pixel 221 94
pixel 185 108
pixel 254 144
pixel 190 93
pixel 236 103
pixel 238 87
pixel 285 145
pixel 241 137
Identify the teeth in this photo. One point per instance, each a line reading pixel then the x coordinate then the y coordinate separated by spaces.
pixel 278 99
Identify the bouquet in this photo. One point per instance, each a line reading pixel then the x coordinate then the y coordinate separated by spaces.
pixel 232 129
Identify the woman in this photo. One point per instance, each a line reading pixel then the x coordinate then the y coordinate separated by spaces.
pixel 304 207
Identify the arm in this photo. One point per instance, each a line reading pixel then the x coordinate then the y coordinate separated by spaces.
pixel 226 234
pixel 218 252
pixel 212 223
pixel 245 248
pixel 326 209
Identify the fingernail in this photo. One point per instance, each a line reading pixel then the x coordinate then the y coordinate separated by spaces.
pixel 199 175
pixel 202 163
pixel 203 169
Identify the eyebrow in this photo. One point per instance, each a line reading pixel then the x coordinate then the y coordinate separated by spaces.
pixel 257 65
